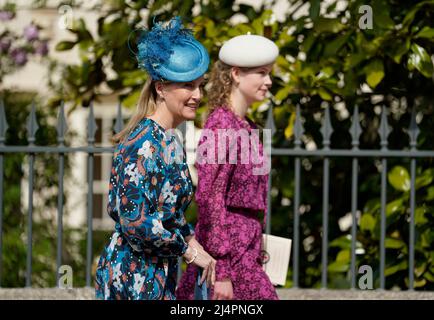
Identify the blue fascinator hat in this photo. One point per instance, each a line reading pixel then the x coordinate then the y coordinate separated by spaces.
pixel 170 52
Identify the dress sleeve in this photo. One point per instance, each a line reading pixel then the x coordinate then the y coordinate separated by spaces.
pixel 187 230
pixel 145 204
pixel 213 180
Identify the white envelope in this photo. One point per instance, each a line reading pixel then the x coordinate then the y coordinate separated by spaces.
pixel 277 251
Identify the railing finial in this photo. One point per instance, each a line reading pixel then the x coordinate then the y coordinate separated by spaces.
pixel 269 124
pixel 356 129
pixel 92 127
pixel 32 124
pixel 119 121
pixel 298 127
pixel 384 130
pixel 413 130
pixel 3 123
pixel 62 125
pixel 326 128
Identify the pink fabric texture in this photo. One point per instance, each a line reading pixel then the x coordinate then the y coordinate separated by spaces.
pixel 230 198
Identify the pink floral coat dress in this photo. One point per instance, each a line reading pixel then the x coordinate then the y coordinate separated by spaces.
pixel 230 198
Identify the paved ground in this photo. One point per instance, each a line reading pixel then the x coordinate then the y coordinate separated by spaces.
pixel 285 294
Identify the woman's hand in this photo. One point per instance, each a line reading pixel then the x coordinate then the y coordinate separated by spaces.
pixel 203 260
pixel 223 290
pixel 191 240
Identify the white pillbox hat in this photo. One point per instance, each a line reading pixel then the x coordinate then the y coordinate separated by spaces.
pixel 248 51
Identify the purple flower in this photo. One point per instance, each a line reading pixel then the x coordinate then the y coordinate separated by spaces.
pixel 31 32
pixel 41 48
pixel 19 55
pixel 5 44
pixel 6 15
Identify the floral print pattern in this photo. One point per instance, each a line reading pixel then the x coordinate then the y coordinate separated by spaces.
pixel 229 198
pixel 148 195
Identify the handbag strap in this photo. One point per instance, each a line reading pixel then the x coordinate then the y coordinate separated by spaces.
pixel 200 290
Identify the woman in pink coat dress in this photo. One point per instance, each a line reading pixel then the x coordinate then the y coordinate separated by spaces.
pixel 232 195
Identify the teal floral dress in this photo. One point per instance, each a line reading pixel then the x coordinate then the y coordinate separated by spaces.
pixel 150 188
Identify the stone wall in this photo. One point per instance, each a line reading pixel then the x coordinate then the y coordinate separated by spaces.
pixel 284 294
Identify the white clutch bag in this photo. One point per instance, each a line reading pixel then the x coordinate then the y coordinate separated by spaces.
pixel 276 252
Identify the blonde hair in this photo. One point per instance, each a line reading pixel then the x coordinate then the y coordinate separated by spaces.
pixel 146 107
pixel 220 88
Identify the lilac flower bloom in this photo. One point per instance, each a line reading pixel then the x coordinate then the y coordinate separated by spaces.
pixel 19 55
pixel 41 48
pixel 31 32
pixel 5 44
pixel 6 15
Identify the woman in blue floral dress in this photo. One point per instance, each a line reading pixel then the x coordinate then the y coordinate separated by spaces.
pixel 150 186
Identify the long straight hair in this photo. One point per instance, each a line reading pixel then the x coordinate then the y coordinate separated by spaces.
pixel 146 106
